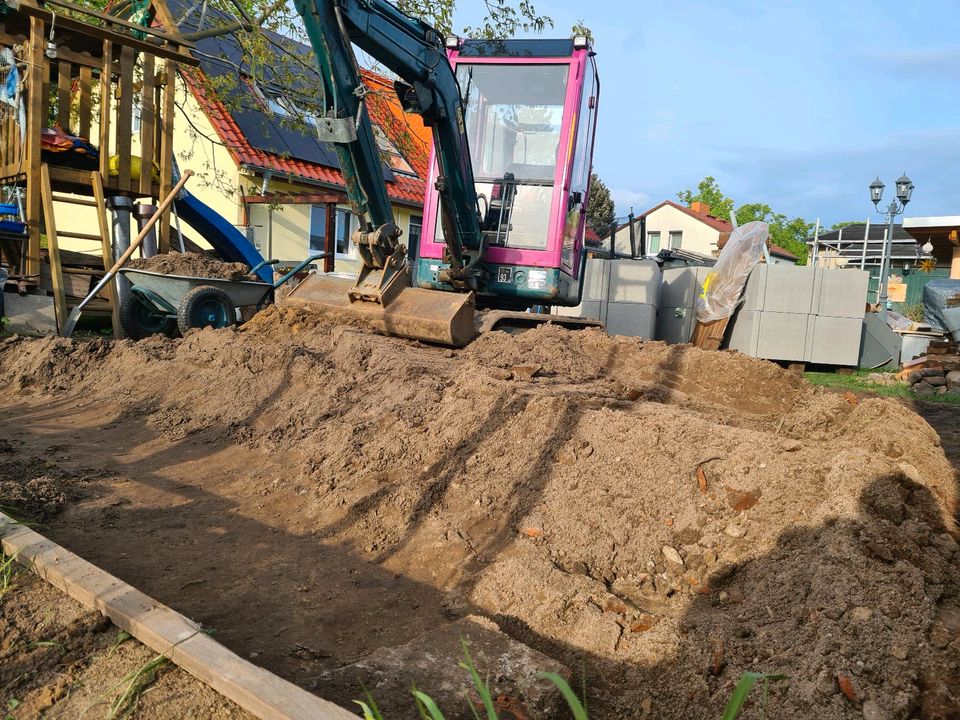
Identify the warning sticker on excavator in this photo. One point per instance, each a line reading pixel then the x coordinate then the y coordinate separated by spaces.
pixel 504 274
pixel 537 280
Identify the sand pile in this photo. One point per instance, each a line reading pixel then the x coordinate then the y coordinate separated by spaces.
pixel 193 265
pixel 663 517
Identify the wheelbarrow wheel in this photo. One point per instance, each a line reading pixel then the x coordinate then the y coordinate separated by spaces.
pixel 138 319
pixel 205 306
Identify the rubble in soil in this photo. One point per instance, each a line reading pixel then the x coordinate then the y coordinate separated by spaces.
pixel 662 516
pixel 192 265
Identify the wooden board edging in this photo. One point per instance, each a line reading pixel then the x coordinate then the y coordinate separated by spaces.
pixel 165 631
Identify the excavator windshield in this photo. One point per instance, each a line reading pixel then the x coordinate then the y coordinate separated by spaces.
pixel 513 115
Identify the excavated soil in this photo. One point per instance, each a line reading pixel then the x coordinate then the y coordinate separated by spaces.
pixel 59 660
pixel 192 265
pixel 658 518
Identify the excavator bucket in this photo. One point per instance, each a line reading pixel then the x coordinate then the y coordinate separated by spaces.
pixel 433 316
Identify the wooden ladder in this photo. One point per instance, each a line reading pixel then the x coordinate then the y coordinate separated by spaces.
pixel 53 243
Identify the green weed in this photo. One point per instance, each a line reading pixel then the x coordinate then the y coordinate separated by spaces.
pixel 132 686
pixel 742 690
pixel 857 382
pixel 7 570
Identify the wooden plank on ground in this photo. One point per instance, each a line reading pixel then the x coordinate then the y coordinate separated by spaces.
pixel 165 631
pixel 709 336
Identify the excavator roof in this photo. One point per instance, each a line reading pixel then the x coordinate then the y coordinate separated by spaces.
pixel 532 48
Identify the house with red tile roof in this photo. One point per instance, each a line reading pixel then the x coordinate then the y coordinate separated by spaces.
pixel 260 164
pixel 672 226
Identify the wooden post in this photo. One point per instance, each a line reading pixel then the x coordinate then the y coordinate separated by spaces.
pixel 125 117
pixel 166 150
pixel 106 101
pixel 106 247
pixel 36 87
pixel 147 122
pixel 330 239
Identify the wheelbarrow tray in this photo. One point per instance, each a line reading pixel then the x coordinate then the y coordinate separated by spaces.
pixel 172 288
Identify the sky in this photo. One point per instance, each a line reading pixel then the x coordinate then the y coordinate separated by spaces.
pixel 799 105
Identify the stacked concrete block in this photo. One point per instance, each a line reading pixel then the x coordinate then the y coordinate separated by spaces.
pixel 621 293
pixel 678 295
pixel 801 314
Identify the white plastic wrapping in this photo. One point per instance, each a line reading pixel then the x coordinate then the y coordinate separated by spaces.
pixel 724 285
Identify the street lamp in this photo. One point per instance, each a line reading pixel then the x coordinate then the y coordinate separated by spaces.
pixel 904 192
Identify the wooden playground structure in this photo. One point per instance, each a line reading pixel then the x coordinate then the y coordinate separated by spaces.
pixel 100 79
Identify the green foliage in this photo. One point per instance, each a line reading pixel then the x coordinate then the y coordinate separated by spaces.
pixel 788 233
pixel 7 571
pixel 504 20
pixel 576 707
pixel 437 14
pixel 708 191
pixel 742 690
pixel 131 687
pixel 483 687
pixel 857 382
pixel 600 211
pixel 580 28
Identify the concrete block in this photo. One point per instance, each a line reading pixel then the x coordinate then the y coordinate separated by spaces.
pixel 635 281
pixel 835 340
pixel 632 319
pixel 675 324
pixel 782 335
pixel 745 332
pixel 597 279
pixel 593 309
pixel 840 293
pixel 679 288
pixel 755 290
pixel 30 314
pixel 789 289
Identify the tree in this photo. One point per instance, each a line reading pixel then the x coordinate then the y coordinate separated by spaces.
pixel 503 20
pixel 790 234
pixel 580 28
pixel 708 192
pixel 600 211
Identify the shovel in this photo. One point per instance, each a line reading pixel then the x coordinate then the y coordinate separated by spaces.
pixel 71 323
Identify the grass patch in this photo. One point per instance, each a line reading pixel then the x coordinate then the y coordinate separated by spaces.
pixel 857 382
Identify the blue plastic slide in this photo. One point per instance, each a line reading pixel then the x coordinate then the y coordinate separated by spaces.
pixel 231 244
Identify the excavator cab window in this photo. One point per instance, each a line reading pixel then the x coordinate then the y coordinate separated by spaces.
pixel 513 115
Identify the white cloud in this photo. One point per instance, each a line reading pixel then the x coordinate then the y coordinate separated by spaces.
pixel 624 199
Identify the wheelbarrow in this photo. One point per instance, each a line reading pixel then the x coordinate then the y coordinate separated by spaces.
pixel 172 304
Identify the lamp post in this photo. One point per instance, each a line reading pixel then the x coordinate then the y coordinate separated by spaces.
pixel 904 191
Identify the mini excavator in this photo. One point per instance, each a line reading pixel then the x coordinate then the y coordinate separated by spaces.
pixel 513 124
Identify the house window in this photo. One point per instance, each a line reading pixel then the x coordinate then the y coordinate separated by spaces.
pixel 676 238
pixel 653 243
pixel 413 235
pixel 318 231
pixel 390 153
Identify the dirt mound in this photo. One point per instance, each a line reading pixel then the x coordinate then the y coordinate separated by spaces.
pixel 665 517
pixel 193 265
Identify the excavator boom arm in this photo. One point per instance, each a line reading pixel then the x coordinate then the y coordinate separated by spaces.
pixel 415 52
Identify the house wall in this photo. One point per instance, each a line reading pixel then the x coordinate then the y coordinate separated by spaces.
pixel 281 232
pixel 697 236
